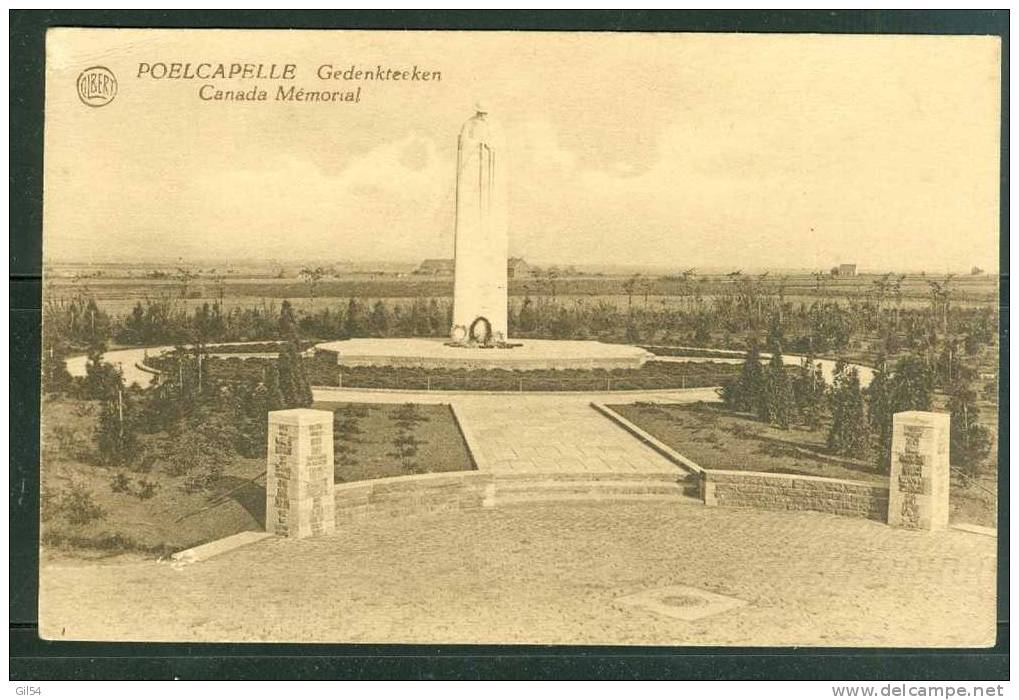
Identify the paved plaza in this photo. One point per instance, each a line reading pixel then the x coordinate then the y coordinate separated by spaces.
pixel 552 573
pixel 542 433
pixel 600 571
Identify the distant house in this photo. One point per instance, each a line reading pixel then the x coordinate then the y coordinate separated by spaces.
pixel 441 267
pixel 518 267
pixel 438 267
pixel 844 270
pixel 976 270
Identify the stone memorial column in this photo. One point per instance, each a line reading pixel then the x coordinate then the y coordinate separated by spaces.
pixel 918 488
pixel 299 475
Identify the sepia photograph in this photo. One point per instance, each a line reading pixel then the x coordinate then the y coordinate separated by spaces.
pixel 640 339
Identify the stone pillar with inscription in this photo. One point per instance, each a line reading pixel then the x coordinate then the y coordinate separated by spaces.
pixel 918 488
pixel 299 475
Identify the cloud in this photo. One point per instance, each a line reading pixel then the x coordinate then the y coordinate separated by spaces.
pixel 388 202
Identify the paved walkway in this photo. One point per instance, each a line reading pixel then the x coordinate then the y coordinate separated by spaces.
pixel 551 574
pixel 126 361
pixel 131 360
pixel 542 433
pixel 545 435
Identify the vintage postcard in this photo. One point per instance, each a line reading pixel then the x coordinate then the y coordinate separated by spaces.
pixel 520 338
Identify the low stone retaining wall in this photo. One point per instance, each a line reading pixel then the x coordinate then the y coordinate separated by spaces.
pixel 407 495
pixel 469 490
pixel 145 368
pixel 771 491
pixel 856 499
pixel 455 491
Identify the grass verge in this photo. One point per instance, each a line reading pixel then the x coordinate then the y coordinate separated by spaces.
pixel 716 438
pixel 374 441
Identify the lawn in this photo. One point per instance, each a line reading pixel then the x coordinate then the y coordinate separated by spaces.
pixel 93 510
pixel 373 441
pixel 719 439
pixel 716 438
pixel 147 512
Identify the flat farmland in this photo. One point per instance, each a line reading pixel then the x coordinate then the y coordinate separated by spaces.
pixel 117 292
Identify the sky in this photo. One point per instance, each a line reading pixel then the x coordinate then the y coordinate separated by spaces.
pixel 681 150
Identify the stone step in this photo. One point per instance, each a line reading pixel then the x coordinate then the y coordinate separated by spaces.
pixel 545 497
pixel 588 487
pixel 672 477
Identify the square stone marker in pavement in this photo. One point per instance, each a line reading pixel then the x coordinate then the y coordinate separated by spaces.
pixel 682 602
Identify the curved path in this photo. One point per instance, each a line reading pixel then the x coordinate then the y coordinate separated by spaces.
pixel 132 360
pixel 129 361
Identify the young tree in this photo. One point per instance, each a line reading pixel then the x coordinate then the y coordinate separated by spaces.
pixel 747 392
pixel 288 323
pixel 116 432
pixel 949 363
pixel 202 329
pixel 912 385
pixel 438 321
pixel 909 387
pixel 527 318
pixel 55 377
pixel 777 404
pixel 970 442
pixel 312 276
pixel 249 405
pixel 293 382
pixel 776 334
pixel 419 318
pixel 809 391
pixel 379 321
pixel 134 330
pixel 354 321
pixel 702 329
pixel 198 450
pixel 273 395
pixel 848 434
pixel 102 380
pixel 293 378
pixel 880 409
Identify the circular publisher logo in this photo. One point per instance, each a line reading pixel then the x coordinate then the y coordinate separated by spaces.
pixel 97 86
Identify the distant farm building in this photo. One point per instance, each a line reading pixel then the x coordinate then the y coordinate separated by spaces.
pixel 439 267
pixel 442 267
pixel 518 267
pixel 844 270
